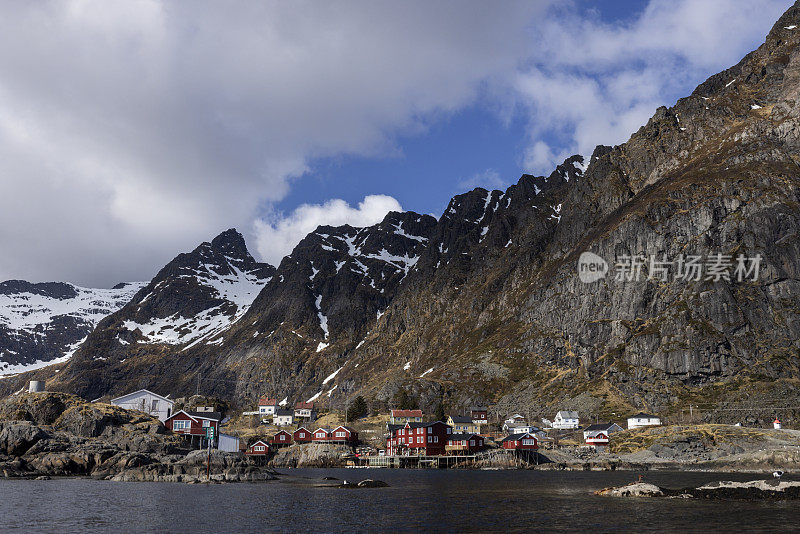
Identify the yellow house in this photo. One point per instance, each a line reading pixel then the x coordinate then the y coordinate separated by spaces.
pixel 463 424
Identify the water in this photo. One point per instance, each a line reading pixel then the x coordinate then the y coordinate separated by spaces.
pixel 428 500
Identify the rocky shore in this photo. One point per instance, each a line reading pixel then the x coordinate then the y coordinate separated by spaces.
pixel 55 434
pixel 751 490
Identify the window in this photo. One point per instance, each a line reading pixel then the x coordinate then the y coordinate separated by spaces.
pixel 259 448
pixel 340 434
pixel 436 439
pixel 449 430
pixel 472 443
pixel 430 429
pixel 180 425
pixel 282 438
pixel 154 405
pixel 419 440
pixel 430 439
pixel 206 423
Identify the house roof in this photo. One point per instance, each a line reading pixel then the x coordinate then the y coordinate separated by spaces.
pixel 516 437
pixel 328 430
pixel 261 442
pixel 461 419
pixel 304 406
pixel 302 428
pixel 213 416
pixel 120 398
pixel 345 427
pixel 281 411
pixel 282 432
pixel 406 413
pixel 521 425
pixel 642 415
pixel 463 435
pixel 264 401
pixel 600 426
pixel 516 416
pixel 479 409
pixel 568 414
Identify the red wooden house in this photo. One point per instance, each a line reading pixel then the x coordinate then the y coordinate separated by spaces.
pixel 479 414
pixel 192 425
pixel 281 439
pixel 423 439
pixel 321 435
pixel 344 434
pixel 302 435
pixel 521 442
pixel 597 439
pixel 259 448
pixel 466 443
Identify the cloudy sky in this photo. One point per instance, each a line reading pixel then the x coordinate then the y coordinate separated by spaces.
pixel 131 131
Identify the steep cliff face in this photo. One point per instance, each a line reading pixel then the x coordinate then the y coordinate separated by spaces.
pixel 715 174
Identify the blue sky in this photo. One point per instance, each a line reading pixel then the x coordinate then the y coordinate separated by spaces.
pixel 132 131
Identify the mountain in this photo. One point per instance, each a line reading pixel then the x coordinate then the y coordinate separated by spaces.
pixel 190 302
pixel 44 323
pixel 486 304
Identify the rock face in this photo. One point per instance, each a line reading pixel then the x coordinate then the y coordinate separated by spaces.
pixel 485 305
pixel 44 323
pixel 310 455
pixel 54 434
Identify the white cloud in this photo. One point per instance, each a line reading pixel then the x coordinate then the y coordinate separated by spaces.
pixel 276 236
pixel 488 179
pixel 590 83
pixel 131 131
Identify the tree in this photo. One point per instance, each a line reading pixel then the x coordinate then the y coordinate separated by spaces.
pixel 358 408
pixel 404 401
pixel 438 414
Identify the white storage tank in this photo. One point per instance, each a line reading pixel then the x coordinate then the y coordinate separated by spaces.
pixel 36 386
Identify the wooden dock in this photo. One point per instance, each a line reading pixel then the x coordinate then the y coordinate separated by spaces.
pixel 413 462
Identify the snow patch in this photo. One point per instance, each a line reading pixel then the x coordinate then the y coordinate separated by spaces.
pixel 332 375
pixel 426 372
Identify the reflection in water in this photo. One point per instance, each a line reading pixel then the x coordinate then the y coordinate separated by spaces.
pixel 432 500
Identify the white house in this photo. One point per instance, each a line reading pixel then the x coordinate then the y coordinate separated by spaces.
pixel 525 428
pixel 283 417
pixel 305 411
pixel 515 419
pixel 643 419
pixel 267 406
pixel 601 428
pixel 147 402
pixel 566 419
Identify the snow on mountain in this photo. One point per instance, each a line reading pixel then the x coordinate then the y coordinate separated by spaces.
pixel 231 291
pixel 44 323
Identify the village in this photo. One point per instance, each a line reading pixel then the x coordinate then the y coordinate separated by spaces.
pixel 402 437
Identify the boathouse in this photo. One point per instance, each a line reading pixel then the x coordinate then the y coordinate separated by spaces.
pixel 259 448
pixel 464 443
pixel 192 425
pixel 302 435
pixel 520 442
pixel 281 439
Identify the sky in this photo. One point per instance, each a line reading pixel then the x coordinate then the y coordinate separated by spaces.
pixel 131 131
